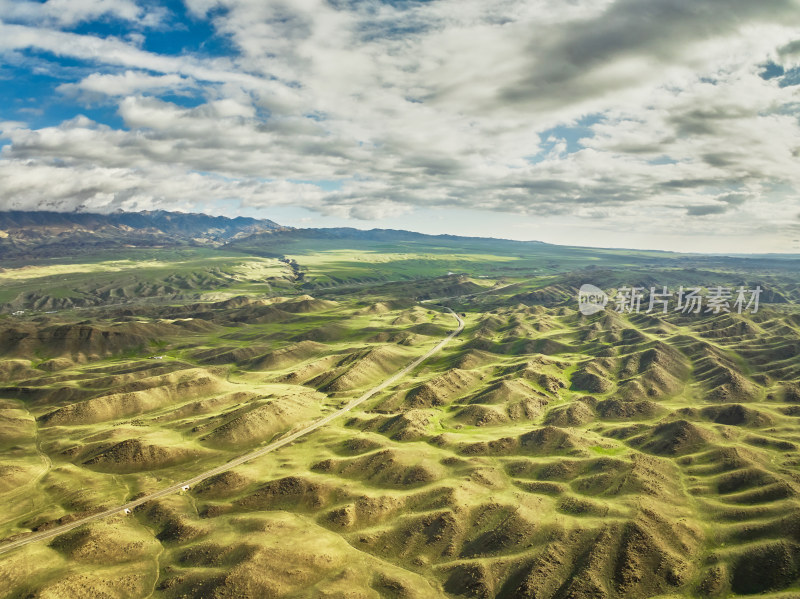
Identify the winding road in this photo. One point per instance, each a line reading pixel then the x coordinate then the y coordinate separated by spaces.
pixel 53 532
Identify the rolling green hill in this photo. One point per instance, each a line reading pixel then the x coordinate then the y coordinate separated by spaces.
pixel 542 453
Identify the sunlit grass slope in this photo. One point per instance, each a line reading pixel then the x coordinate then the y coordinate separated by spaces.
pixel 542 454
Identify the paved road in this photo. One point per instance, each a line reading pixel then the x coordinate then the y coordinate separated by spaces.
pixel 48 534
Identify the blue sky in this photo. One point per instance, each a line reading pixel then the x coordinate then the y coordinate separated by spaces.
pixel 640 123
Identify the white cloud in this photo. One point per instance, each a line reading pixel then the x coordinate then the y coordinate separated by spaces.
pixel 67 13
pixel 438 104
pixel 125 84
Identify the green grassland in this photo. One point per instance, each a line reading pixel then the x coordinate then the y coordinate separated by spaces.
pixel 137 274
pixel 542 453
pixel 262 264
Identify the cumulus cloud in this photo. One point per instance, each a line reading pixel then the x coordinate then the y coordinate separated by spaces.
pixel 129 83
pixel 66 13
pixel 652 114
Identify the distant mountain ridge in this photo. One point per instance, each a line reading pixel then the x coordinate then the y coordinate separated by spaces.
pixel 276 242
pixel 46 234
pixel 385 235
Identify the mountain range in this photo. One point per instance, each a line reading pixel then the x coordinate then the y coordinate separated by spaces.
pixel 48 234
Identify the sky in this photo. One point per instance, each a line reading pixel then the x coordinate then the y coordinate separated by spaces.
pixel 657 124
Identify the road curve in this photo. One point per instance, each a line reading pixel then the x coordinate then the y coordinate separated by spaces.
pixel 53 532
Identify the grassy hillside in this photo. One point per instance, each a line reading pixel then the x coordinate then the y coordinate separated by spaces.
pixel 543 453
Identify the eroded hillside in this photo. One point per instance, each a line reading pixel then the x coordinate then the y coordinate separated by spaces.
pixel 543 454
